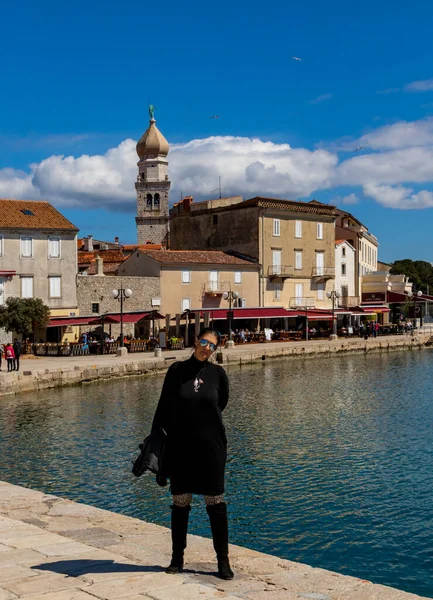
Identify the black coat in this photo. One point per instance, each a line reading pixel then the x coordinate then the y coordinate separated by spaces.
pixel 192 399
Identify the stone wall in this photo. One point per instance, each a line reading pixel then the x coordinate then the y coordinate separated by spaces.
pixel 5 337
pixel 96 289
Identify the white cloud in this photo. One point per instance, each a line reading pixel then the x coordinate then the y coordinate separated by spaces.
pixel 321 98
pixel 424 85
pixel 399 197
pixel 399 135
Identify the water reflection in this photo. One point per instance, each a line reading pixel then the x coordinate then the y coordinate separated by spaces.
pixel 330 460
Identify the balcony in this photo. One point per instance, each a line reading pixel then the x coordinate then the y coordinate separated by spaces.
pixel 280 271
pixel 320 274
pixel 348 301
pixel 302 302
pixel 216 288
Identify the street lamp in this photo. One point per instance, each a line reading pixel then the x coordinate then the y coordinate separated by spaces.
pixel 121 294
pixel 230 296
pixel 334 296
pixel 415 295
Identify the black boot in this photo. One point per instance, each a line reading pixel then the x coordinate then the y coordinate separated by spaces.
pixel 220 535
pixel 179 529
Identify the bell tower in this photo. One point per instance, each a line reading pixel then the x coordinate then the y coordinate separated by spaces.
pixel 152 186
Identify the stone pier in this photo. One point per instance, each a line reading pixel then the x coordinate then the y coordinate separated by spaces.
pixel 55 549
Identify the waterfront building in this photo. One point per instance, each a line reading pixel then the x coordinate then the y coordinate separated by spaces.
pixel 188 280
pixel 38 257
pixel 366 245
pixel 293 243
pixel 345 274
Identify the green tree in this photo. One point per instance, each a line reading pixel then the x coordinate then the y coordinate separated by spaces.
pixel 23 315
pixel 420 273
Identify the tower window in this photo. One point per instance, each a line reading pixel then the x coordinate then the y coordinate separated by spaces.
pixel 156 200
pixel 149 199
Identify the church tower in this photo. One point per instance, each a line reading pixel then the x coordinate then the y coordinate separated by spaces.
pixel 152 186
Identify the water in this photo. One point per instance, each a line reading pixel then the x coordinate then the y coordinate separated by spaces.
pixel 331 460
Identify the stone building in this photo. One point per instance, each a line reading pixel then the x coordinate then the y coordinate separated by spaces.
pixel 346 274
pixel 152 187
pixel 292 242
pixel 38 257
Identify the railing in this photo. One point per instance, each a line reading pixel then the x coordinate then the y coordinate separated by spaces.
pixel 282 271
pixel 216 287
pixel 323 272
pixel 302 302
pixel 348 301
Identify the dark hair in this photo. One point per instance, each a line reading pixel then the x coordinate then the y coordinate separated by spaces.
pixel 211 331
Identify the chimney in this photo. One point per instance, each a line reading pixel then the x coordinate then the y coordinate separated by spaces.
pixel 99 265
pixel 116 241
pixel 88 243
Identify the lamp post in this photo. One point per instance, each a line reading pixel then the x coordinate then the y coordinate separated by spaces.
pixel 121 294
pixel 415 295
pixel 230 296
pixel 334 296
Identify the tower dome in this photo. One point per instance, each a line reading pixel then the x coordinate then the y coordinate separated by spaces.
pixel 152 142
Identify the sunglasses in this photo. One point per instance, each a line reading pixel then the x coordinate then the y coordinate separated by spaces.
pixel 206 343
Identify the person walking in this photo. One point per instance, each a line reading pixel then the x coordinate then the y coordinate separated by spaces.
pixel 17 352
pixel 10 356
pixel 194 394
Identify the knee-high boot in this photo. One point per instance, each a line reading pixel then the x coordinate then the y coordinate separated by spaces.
pixel 220 535
pixel 179 530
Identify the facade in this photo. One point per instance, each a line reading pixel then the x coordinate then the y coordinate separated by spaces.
pixel 194 279
pixel 345 274
pixel 292 242
pixel 381 290
pixel 366 245
pixel 152 187
pixel 38 255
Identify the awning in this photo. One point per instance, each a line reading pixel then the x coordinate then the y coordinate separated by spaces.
pixel 67 321
pixel 114 318
pixel 219 314
pixel 4 273
pixel 375 309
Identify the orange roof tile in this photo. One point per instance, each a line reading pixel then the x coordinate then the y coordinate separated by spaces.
pixel 43 216
pixel 211 257
pixel 108 256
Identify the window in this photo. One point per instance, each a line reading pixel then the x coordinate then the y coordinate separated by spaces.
pixel 55 291
pixel 2 294
pixel 277 227
pixel 320 291
pixel 320 231
pixel 186 276
pixel 27 212
pixel 277 291
pixel 53 247
pixel 298 259
pixel 26 287
pixel 213 281
pixel 298 229
pixel 343 252
pixel 320 263
pixel 95 307
pixel 299 293
pixel 343 268
pixel 156 200
pixel 149 200
pixel 26 247
pixel 186 304
pixel 238 276
pixel 345 291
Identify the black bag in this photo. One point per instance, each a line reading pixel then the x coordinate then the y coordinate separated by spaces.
pixel 151 456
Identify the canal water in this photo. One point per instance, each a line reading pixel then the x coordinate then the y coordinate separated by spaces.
pixel 331 460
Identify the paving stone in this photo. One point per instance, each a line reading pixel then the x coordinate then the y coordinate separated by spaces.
pixel 72 594
pixel 6 595
pixel 32 541
pixel 19 557
pixel 190 591
pixel 4 548
pixel 121 588
pixel 11 572
pixel 42 583
pixel 66 549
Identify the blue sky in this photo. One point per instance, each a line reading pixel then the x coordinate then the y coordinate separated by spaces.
pixel 77 80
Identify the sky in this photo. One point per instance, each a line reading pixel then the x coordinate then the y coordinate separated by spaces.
pixel 350 124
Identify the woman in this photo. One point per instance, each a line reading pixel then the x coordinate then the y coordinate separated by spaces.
pixel 194 394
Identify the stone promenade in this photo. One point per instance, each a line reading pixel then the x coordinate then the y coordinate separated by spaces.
pixel 39 373
pixel 55 549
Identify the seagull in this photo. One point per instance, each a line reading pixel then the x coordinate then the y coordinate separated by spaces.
pixel 296 58
pixel 215 117
pixel 360 148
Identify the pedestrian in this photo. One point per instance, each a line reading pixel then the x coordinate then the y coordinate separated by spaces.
pixel 10 356
pixel 376 328
pixel 17 352
pixel 194 394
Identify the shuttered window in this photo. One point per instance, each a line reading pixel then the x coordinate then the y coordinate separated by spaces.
pixel 186 276
pixel 276 227
pixel 54 247
pixel 298 229
pixel 26 247
pixel 55 287
pixel 238 276
pixel 26 287
pixel 298 259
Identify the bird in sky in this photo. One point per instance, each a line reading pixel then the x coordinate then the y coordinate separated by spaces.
pixel 360 148
pixel 296 58
pixel 215 117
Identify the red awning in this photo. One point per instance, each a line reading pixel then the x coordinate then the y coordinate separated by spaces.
pixel 127 318
pixel 4 273
pixel 67 321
